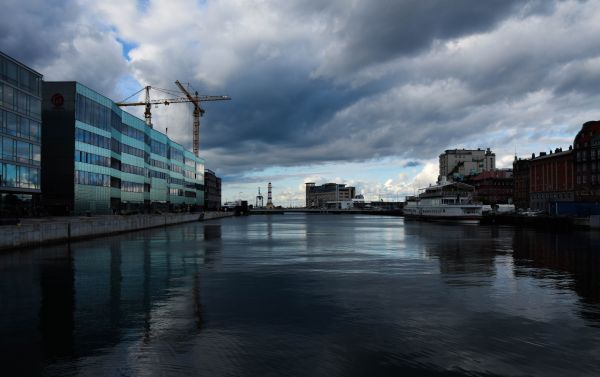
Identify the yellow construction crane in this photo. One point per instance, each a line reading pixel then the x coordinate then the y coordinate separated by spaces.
pixel 196 100
pixel 198 112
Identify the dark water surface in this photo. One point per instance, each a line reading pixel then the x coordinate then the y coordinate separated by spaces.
pixel 302 295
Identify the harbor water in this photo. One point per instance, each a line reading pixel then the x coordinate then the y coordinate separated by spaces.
pixel 306 295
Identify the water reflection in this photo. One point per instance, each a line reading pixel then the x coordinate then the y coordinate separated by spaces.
pixel 566 260
pixel 305 295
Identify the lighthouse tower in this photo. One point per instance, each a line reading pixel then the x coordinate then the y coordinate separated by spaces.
pixel 270 198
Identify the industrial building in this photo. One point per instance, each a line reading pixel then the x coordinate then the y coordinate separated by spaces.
pixel 212 191
pixel 456 164
pixel 20 138
pixel 97 158
pixel 321 196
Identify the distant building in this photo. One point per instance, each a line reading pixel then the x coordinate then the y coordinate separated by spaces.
pixel 318 196
pixel 456 164
pixel 20 137
pixel 587 162
pixel 551 178
pixel 493 186
pixel 521 183
pixel 100 159
pixel 212 191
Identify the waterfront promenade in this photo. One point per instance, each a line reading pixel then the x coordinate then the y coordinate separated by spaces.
pixel 38 231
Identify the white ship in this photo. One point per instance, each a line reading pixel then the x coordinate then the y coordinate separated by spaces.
pixel 444 201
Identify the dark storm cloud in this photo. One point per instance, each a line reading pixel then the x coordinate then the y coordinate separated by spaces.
pixel 316 81
pixel 286 115
pixel 412 164
pixel 30 31
pixel 63 42
pixel 377 31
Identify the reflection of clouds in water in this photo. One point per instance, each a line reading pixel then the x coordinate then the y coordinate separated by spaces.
pixel 318 295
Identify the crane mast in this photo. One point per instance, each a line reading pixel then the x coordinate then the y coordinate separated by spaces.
pixel 195 99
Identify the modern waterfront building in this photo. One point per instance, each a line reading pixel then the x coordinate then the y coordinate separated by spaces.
pixel 319 196
pixel 97 158
pixel 456 164
pixel 587 162
pixel 551 179
pixel 20 135
pixel 212 191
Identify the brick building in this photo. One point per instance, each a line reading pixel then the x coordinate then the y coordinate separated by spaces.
pixel 493 186
pixel 521 183
pixel 551 178
pixel 587 162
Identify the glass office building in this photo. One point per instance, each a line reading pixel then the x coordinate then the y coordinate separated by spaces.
pixel 20 134
pixel 100 159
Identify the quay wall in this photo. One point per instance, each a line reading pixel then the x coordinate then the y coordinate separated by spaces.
pixel 35 233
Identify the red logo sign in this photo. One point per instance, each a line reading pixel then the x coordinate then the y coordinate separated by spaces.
pixel 57 99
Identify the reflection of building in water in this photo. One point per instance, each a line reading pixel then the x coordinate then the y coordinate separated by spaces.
pixel 36 310
pixel 466 252
pixel 66 305
pixel 570 254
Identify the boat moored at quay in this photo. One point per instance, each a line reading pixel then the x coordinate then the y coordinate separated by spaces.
pixel 445 201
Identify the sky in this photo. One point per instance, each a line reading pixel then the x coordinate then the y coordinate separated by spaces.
pixel 366 93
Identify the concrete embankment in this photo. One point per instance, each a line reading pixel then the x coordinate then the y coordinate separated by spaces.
pixel 34 232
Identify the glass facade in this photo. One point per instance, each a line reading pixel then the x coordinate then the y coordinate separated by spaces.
pixel 122 164
pixel 20 137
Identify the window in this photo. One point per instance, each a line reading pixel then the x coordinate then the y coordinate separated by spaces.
pixel 132 186
pixel 23 127
pixel 92 179
pixel 92 138
pixel 176 168
pixel 158 148
pixel 11 72
pixel 157 174
pixel 90 158
pixel 9 97
pixel 22 102
pixel 23 152
pixel 126 168
pixel 190 174
pixel 36 153
pixel 9 175
pixel 11 124
pixel 34 130
pixel 8 148
pixel 176 155
pixel 92 113
pixel 35 107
